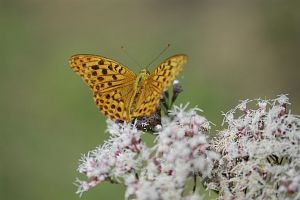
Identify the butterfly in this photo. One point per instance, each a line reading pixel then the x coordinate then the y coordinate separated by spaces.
pixel 119 93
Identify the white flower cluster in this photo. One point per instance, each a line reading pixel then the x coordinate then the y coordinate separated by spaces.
pixel 260 152
pixel 116 158
pixel 258 155
pixel 180 154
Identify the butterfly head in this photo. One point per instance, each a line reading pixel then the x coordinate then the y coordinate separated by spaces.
pixel 143 75
pixel 144 72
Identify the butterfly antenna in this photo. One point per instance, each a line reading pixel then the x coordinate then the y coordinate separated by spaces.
pixel 163 51
pixel 130 57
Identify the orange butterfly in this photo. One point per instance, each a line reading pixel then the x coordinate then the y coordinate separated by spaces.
pixel 121 94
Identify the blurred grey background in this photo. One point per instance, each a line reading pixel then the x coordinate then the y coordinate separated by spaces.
pixel 236 49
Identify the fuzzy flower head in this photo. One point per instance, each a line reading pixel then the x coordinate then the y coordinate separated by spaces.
pixel 116 158
pixel 180 153
pixel 260 152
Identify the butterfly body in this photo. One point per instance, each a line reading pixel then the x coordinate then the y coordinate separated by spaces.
pixel 121 94
pixel 138 86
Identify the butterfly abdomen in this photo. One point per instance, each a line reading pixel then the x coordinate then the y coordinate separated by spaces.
pixel 138 87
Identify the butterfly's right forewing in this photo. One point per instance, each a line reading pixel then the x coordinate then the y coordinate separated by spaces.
pixel 157 83
pixel 166 72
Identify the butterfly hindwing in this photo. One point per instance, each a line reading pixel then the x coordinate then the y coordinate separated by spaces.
pixel 147 101
pixel 157 83
pixel 115 104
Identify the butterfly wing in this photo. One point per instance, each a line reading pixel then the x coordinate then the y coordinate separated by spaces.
pixel 111 82
pixel 147 101
pixel 156 83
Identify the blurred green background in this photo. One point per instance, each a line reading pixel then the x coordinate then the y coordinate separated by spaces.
pixel 236 50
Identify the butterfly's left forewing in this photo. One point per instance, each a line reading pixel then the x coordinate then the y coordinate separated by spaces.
pixel 101 71
pixel 156 83
pixel 111 82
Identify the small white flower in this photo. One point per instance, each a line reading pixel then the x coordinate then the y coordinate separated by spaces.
pixel 175 82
